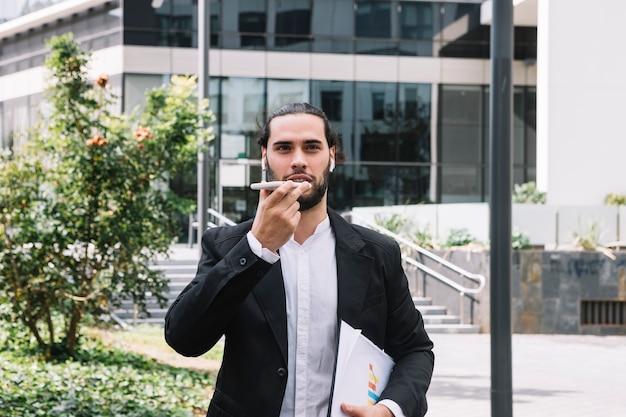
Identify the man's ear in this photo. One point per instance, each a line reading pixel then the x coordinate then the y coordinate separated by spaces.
pixel 263 159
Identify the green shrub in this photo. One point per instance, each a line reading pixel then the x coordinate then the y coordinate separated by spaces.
pixel 614 199
pixel 393 222
pixel 458 237
pixel 424 238
pixel 519 240
pixel 97 381
pixel 589 238
pixel 528 193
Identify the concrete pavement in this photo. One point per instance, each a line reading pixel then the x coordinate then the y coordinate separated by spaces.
pixel 553 375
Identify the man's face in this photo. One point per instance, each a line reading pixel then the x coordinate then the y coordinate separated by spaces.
pixel 297 150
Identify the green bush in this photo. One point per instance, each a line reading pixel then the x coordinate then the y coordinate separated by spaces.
pixel 424 238
pixel 528 193
pixel 614 199
pixel 588 238
pixel 458 237
pixel 97 381
pixel 393 222
pixel 519 240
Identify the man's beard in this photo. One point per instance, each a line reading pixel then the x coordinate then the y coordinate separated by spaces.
pixel 315 195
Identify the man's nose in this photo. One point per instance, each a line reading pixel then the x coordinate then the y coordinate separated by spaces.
pixel 298 160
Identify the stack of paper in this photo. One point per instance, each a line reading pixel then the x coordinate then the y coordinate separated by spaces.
pixel 362 370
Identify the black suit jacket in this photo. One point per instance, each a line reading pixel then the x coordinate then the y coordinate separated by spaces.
pixel 238 295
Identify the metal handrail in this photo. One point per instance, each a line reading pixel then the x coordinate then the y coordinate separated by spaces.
pixel 480 279
pixel 221 217
pixel 462 290
pixel 444 280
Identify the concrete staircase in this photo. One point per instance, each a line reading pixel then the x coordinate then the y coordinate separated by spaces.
pixel 437 319
pixel 181 267
pixel 178 272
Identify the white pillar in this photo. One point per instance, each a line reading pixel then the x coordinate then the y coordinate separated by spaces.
pixel 581 96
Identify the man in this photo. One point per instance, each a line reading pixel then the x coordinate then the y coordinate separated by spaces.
pixel 277 286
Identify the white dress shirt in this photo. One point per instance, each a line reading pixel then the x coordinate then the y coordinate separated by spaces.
pixel 310 277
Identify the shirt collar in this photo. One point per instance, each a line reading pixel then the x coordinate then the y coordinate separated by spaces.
pixel 320 230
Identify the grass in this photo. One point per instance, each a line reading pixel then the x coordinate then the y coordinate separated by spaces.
pixel 114 374
pixel 149 340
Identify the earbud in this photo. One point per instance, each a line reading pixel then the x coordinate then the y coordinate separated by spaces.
pixel 332 165
pixel 263 164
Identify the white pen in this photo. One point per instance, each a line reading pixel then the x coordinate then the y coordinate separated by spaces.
pixel 267 185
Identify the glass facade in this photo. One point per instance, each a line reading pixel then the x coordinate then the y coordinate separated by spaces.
pixel 407 28
pixel 463 126
pixel 406 143
pixel 162 23
pixel 379 27
pixel 386 133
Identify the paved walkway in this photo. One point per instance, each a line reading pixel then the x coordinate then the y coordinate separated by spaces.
pixel 553 375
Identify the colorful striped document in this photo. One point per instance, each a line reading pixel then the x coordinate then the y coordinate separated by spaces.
pixel 362 371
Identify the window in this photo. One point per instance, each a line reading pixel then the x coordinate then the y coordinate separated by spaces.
pixel 251 22
pixel 413 122
pixel 462 143
pixel 294 19
pixel 462 34
pixel 417 20
pixel 332 104
pixel 336 99
pixel 281 92
pixel 524 134
pixel 170 24
pixel 332 26
pixel 393 122
pixel 373 19
pixel 252 19
pixel 378 105
pixel 242 100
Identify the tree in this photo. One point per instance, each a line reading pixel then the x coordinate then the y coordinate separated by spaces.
pixel 85 207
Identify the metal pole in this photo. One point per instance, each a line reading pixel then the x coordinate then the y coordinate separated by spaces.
pixel 204 43
pixel 500 185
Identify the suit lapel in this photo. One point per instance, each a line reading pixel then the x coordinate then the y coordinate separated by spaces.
pixel 270 294
pixel 353 271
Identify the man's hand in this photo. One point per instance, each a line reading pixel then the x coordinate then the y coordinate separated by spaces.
pixel 377 410
pixel 278 214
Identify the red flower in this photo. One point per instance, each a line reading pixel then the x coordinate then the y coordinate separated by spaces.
pixel 142 133
pixel 97 140
pixel 102 80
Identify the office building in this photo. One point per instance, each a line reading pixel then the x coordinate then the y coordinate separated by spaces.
pixel 406 83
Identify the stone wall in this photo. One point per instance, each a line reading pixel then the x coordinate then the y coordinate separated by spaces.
pixel 547 288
